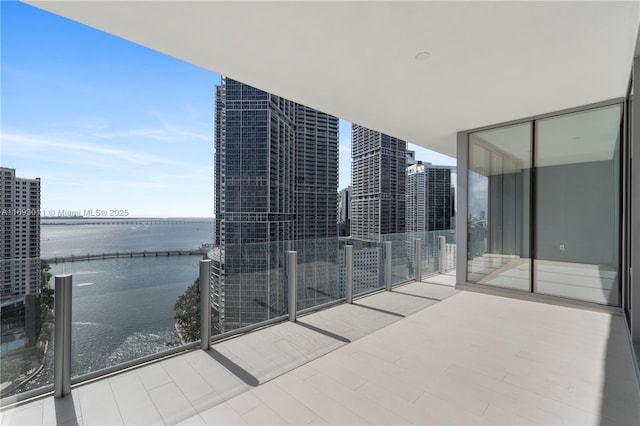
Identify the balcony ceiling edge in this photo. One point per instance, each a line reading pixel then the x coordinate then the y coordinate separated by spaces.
pixel 420 71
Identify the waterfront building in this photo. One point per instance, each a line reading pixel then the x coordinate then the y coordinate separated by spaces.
pixel 275 182
pixel 20 236
pixel 378 180
pixel 20 263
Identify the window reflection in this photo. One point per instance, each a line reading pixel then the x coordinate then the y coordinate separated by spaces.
pixel 498 222
pixel 577 205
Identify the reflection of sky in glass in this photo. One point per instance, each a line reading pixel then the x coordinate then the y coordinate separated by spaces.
pixel 478 194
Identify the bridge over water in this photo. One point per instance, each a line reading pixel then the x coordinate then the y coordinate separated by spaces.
pixel 126 222
pixel 126 254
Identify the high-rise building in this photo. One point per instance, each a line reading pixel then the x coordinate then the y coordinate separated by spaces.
pixel 344 212
pixel 276 178
pixel 411 158
pixel 429 197
pixel 378 180
pixel 316 215
pixel 20 236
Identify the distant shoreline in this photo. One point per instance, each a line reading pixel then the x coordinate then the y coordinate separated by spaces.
pixel 125 218
pixel 122 221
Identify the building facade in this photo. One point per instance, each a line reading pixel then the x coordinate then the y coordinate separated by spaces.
pixel 315 206
pixel 378 180
pixel 20 236
pixel 429 198
pixel 411 158
pixel 344 212
pixel 275 181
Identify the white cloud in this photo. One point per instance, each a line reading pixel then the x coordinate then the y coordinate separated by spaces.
pixel 165 134
pixel 14 143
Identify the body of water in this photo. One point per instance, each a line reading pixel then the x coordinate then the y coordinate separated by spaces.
pixel 60 237
pixel 122 308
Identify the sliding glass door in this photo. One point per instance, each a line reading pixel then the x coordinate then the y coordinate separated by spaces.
pixel 577 208
pixel 499 193
pixel 544 205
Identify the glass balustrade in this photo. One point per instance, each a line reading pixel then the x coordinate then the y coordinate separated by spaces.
pixel 26 341
pixel 402 258
pixel 132 305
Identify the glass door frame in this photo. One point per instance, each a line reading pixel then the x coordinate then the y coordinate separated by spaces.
pixel 463 155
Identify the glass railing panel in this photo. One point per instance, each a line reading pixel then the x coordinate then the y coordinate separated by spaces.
pixel 368 270
pixel 26 341
pixel 135 285
pixel 403 258
pixel 432 254
pixel 428 252
pixel 249 283
pixel 319 265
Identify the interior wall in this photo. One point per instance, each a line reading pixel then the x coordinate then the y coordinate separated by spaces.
pixel 576 208
pixel 575 212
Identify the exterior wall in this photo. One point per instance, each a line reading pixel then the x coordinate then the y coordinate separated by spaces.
pixel 344 212
pixel 255 158
pixel 344 205
pixel 378 182
pixel 416 198
pixel 429 198
pixel 276 180
pixel 316 211
pixel 20 236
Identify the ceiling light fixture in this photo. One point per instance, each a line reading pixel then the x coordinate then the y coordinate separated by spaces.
pixel 422 56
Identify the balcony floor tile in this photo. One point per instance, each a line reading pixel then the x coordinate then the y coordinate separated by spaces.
pixel 98 404
pixel 424 354
pixel 222 414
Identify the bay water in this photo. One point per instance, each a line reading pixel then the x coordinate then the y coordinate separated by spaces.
pixel 123 307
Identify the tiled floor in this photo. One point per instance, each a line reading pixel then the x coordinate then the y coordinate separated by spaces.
pixel 592 283
pixel 391 358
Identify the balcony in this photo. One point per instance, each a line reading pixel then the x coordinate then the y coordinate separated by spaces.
pixel 423 353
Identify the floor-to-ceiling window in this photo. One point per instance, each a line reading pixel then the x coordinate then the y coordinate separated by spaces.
pixel 545 193
pixel 577 208
pixel 499 192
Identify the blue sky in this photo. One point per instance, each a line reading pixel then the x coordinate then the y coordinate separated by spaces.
pixel 107 124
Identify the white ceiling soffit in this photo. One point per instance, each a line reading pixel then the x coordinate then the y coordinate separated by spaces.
pixel 488 62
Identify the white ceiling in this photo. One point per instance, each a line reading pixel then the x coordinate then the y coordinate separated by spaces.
pixel 579 137
pixel 489 62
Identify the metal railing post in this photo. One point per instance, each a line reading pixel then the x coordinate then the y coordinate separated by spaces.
pixel 205 304
pixel 418 254
pixel 62 336
pixel 348 259
pixel 388 247
pixel 292 282
pixel 443 254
